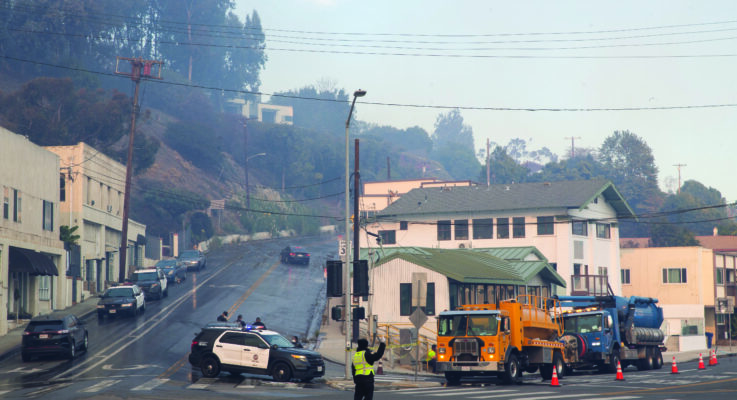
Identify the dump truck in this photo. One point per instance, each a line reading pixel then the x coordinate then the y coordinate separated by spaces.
pixel 501 340
pixel 600 331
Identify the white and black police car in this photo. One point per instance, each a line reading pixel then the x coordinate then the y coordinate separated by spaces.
pixel 226 347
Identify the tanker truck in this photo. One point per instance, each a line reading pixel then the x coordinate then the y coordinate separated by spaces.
pixel 501 340
pixel 600 331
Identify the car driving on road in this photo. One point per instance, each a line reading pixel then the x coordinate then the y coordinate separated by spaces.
pixel 173 269
pixel 193 260
pixel 260 352
pixel 61 334
pixel 295 255
pixel 152 281
pixel 126 299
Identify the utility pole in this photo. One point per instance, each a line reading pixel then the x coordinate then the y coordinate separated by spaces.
pixel 139 68
pixel 573 149
pixel 388 169
pixel 488 162
pixel 356 224
pixel 245 163
pixel 679 175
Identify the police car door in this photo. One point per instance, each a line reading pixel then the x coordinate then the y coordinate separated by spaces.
pixel 256 352
pixel 229 348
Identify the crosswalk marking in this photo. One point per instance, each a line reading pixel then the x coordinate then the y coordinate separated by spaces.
pixel 101 385
pixel 151 384
pixel 497 396
pixel 198 386
pixel 613 398
pixel 455 393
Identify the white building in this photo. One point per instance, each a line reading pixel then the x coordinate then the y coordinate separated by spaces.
pixel 32 258
pixel 572 223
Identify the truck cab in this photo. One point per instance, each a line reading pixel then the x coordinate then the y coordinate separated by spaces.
pixel 593 335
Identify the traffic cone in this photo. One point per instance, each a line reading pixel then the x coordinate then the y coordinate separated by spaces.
pixel 674 367
pixel 380 368
pixel 713 358
pixel 701 362
pixel 620 376
pixel 554 380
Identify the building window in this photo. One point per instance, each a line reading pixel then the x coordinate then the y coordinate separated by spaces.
pixel 444 230
pixel 62 188
pixel 625 272
pixel 603 231
pixel 518 227
pixel 48 216
pixel 580 228
pixel 430 299
pixel 388 237
pixel 720 276
pixel 6 203
pixel 674 275
pixel 502 228
pixel 405 299
pixel 44 287
pixel 483 228
pixel 545 225
pixel 603 271
pixel 403 225
pixel 16 205
pixel 461 228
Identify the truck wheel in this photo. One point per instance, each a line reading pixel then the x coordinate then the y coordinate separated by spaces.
pixel 559 365
pixel 281 372
pixel 612 366
pixel 646 363
pixel 657 359
pixel 511 370
pixel 210 367
pixel 453 378
pixel 546 372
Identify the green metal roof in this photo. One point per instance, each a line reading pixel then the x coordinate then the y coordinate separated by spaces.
pixel 471 266
pixel 496 198
pixel 513 253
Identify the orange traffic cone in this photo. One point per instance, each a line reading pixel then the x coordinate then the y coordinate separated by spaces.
pixel 380 368
pixel 554 380
pixel 713 358
pixel 674 367
pixel 620 376
pixel 701 362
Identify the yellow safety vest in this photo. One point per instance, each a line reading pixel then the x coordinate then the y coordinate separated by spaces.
pixel 430 355
pixel 360 364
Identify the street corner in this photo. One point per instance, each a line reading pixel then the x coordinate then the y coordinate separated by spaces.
pixel 340 384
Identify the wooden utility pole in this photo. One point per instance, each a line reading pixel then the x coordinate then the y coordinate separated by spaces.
pixel 679 175
pixel 139 68
pixel 573 149
pixel 488 163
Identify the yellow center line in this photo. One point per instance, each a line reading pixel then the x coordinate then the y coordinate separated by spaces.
pixel 638 391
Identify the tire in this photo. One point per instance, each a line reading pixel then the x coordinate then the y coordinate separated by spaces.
pixel 546 372
pixel 657 359
pixel 72 350
pixel 612 366
pixel 281 372
pixel 453 378
pixel 210 367
pixel 511 370
pixel 646 363
pixel 559 365
pixel 85 343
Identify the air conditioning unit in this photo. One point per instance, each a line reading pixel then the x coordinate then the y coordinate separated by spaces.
pixel 464 245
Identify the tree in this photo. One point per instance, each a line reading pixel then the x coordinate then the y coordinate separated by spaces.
pixel 460 161
pixel 503 168
pixel 664 234
pixel 450 129
pixel 68 236
pixel 317 109
pixel 706 209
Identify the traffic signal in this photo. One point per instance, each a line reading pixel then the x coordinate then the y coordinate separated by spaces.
pixel 360 278
pixel 336 313
pixel 359 313
pixel 335 278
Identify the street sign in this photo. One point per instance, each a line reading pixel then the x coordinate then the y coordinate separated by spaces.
pixel 418 318
pixel 342 248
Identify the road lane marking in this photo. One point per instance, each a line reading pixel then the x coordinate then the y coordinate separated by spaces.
pixel 613 398
pixel 101 385
pixel 48 389
pixel 497 396
pixel 442 393
pixel 558 396
pixel 153 383
pixel 436 390
pixel 174 368
pixel 252 289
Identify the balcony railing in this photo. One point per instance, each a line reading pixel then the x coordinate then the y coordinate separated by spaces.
pixel 590 285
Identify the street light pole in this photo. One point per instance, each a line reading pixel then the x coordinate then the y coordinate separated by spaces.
pixel 347 238
pixel 248 190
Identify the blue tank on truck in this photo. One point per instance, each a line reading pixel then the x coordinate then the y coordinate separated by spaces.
pixel 601 331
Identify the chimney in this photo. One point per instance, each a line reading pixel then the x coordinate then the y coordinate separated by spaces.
pixel 716 231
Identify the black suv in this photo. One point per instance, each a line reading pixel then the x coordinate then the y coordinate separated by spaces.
pixel 61 334
pixel 261 352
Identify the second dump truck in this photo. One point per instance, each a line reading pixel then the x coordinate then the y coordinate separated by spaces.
pixel 501 340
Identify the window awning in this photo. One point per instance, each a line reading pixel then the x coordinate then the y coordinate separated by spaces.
pixel 34 263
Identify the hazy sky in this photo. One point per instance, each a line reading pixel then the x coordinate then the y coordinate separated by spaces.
pixel 529 55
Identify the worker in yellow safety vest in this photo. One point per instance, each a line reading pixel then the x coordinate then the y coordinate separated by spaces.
pixel 432 358
pixel 363 369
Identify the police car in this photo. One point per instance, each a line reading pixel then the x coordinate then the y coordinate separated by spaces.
pixel 226 347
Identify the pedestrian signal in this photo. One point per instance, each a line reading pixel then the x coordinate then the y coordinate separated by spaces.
pixel 335 278
pixel 360 278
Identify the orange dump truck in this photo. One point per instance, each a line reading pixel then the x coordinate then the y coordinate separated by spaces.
pixel 501 340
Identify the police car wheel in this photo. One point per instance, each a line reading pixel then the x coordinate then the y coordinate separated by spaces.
pixel 281 372
pixel 210 367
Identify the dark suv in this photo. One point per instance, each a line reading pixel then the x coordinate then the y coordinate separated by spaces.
pixel 61 334
pixel 260 352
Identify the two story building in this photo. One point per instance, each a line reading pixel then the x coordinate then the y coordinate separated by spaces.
pixel 572 223
pixel 32 257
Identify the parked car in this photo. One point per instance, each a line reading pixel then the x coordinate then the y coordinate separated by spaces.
pixel 268 353
pixel 152 281
pixel 295 255
pixel 173 269
pixel 193 259
pixel 126 299
pixel 54 334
